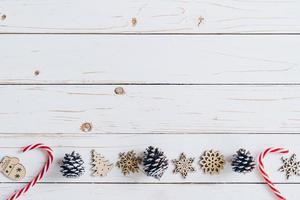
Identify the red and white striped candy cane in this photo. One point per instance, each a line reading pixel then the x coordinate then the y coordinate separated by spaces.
pixel 263 172
pixel 41 174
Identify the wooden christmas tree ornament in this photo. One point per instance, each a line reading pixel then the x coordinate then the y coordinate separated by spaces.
pixel 12 169
pixel 101 166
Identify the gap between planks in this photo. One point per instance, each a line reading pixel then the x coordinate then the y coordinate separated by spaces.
pixel 153 183
pixel 140 33
pixel 6 134
pixel 151 84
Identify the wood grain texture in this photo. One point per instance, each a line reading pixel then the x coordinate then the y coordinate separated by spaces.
pixel 61 59
pixel 149 192
pixel 219 84
pixel 111 145
pixel 155 16
pixel 150 109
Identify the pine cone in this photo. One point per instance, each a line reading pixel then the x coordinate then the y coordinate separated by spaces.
pixel 155 162
pixel 72 165
pixel 242 161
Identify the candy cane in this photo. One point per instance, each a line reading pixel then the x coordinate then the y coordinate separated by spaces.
pixel 264 173
pixel 41 174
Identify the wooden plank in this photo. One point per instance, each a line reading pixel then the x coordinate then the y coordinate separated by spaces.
pixel 61 59
pixel 110 145
pixel 150 109
pixel 149 192
pixel 125 16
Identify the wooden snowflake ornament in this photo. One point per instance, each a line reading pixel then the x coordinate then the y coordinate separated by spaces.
pixel 212 162
pixel 101 166
pixel 290 166
pixel 129 162
pixel 184 165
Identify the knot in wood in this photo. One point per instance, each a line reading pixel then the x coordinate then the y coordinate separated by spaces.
pixel 36 72
pixel 3 17
pixel 86 127
pixel 133 21
pixel 119 91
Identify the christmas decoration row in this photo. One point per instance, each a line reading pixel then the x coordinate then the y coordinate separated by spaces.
pixel 155 163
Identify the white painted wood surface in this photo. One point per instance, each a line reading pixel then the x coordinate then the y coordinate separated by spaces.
pixel 156 191
pixel 150 109
pixel 151 16
pixel 149 59
pixel 197 75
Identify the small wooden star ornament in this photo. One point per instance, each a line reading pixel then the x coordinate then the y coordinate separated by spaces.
pixel 101 166
pixel 184 165
pixel 290 166
pixel 12 169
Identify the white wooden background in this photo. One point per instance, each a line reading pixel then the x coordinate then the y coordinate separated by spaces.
pixel 197 75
